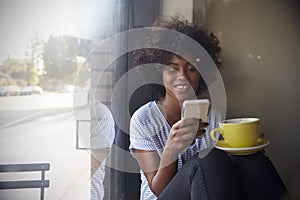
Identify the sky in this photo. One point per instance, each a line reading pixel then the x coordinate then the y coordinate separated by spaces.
pixel 20 19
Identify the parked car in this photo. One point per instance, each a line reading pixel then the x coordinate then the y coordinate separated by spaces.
pixel 9 90
pixel 71 88
pixel 31 89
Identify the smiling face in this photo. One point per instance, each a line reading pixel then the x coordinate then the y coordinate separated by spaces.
pixel 180 79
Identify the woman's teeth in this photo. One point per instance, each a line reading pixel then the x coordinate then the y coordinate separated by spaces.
pixel 181 86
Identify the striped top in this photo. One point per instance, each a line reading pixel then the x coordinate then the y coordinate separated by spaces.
pixel 149 130
pixel 102 133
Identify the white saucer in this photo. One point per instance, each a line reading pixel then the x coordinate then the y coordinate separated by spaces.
pixel 245 150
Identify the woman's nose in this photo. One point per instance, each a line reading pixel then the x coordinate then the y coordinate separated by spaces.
pixel 182 74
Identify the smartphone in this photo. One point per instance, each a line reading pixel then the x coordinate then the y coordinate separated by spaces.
pixel 197 108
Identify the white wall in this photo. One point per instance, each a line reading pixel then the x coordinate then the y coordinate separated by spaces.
pixel 182 8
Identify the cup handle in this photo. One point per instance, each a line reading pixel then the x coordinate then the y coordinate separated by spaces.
pixel 213 136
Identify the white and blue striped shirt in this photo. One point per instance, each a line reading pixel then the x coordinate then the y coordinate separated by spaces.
pixel 149 130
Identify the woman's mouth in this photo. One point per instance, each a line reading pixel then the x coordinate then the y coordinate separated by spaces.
pixel 182 87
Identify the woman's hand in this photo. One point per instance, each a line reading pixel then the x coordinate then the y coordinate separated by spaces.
pixel 183 134
pixel 160 170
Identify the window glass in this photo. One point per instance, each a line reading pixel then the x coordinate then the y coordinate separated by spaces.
pixel 45 82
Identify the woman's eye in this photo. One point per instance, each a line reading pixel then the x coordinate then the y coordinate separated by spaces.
pixel 191 68
pixel 172 70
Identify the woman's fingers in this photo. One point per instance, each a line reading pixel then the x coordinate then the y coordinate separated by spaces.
pixel 184 125
pixel 190 125
pixel 187 130
pixel 184 132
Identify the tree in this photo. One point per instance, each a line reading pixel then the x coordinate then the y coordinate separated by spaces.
pixel 60 55
pixel 15 70
pixel 12 66
pixel 34 53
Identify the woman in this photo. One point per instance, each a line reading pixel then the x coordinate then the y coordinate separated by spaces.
pixel 166 146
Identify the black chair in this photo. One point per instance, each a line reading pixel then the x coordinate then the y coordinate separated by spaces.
pixel 22 184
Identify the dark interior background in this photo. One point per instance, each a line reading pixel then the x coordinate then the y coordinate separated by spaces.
pixel 261 56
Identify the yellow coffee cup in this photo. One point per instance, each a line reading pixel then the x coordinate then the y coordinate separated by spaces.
pixel 238 132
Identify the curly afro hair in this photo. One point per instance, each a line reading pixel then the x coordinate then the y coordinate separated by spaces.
pixel 199 33
pixel 154 55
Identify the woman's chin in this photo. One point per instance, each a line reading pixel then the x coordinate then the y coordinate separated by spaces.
pixel 181 99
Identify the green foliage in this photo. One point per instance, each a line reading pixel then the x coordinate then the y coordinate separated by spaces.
pixel 60 57
pixel 4 81
pixel 13 71
pixel 34 78
pixel 17 71
pixel 13 65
